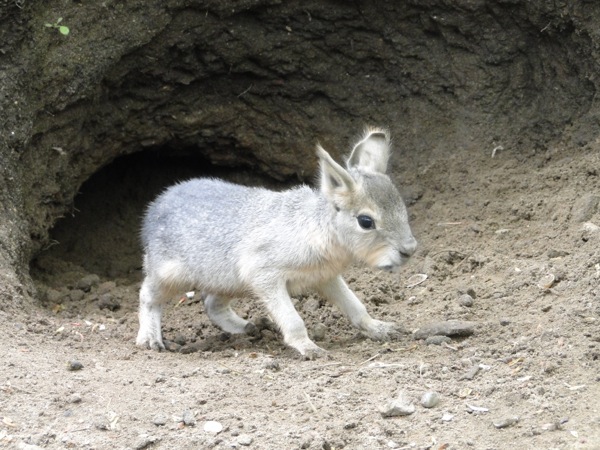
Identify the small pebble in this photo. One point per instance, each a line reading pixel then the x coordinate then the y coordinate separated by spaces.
pixel 171 346
pixel 180 339
pixel 547 281
pixel 437 340
pixel 189 418
pixel 74 398
pixel 447 328
pixel 319 332
pixel 584 207
pixel 430 399
pixel 74 365
pixel 311 305
pixel 160 420
pixel 53 296
pixel 470 374
pixel 507 422
pixel 144 441
pixel 447 417
pixel 401 406
pixel 553 253
pixel 272 364
pixel 244 439
pixel 105 287
pixel 465 300
pixel 213 426
pixel 76 295
pixel 107 301
pixel 504 321
pixel 87 282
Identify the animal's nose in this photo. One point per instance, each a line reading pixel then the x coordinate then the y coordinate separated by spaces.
pixel 408 248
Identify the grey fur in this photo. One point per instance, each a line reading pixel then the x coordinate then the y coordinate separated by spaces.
pixel 234 241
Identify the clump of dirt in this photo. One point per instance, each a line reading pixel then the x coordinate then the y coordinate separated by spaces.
pixel 509 243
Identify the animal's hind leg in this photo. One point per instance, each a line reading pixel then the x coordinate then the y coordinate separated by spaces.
pixel 220 313
pixel 152 297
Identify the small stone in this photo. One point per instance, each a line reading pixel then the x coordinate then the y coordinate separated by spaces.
pixel 74 398
pixel 553 253
pixel 319 332
pixel 171 346
pixel 74 365
pixel 160 420
pixel 504 321
pixel 506 422
pixel 87 282
pixel 447 417
pixel 470 374
pixel 311 305
pixel 244 439
pixel 447 328
pixel 437 340
pixel 590 227
pixel 584 207
pixel 430 399
pixel 189 418
pixel 546 308
pixel 401 406
pixel 76 295
pixel 105 287
pixel 272 364
pixel 144 441
pixel 107 301
pixel 213 427
pixel 547 281
pixel 349 425
pixel 180 339
pixel 465 300
pixel 194 347
pixel 53 296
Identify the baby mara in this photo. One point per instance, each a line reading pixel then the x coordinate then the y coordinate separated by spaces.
pixel 232 241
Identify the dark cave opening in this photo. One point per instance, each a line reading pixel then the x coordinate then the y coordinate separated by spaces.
pixel 101 233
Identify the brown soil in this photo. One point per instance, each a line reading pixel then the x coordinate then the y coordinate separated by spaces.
pixel 494 112
pixel 492 227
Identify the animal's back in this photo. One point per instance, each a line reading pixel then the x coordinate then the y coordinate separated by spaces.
pixel 193 228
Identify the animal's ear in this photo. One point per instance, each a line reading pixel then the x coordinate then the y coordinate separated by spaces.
pixel 372 152
pixel 336 182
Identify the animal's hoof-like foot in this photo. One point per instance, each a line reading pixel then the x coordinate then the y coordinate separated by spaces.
pixel 311 355
pixel 150 344
pixel 385 331
pixel 310 351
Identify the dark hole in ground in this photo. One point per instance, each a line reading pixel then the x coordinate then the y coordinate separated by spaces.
pixel 101 235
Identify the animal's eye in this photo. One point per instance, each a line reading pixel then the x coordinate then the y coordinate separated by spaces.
pixel 366 222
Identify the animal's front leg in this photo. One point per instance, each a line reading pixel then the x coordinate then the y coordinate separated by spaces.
pixel 339 294
pixel 280 306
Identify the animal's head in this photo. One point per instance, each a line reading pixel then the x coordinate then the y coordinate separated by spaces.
pixel 370 215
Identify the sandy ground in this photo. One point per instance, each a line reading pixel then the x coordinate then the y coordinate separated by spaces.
pixel 510 243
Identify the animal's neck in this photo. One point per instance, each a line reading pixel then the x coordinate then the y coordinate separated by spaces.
pixel 334 251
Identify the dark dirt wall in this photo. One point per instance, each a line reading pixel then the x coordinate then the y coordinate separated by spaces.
pixel 253 85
